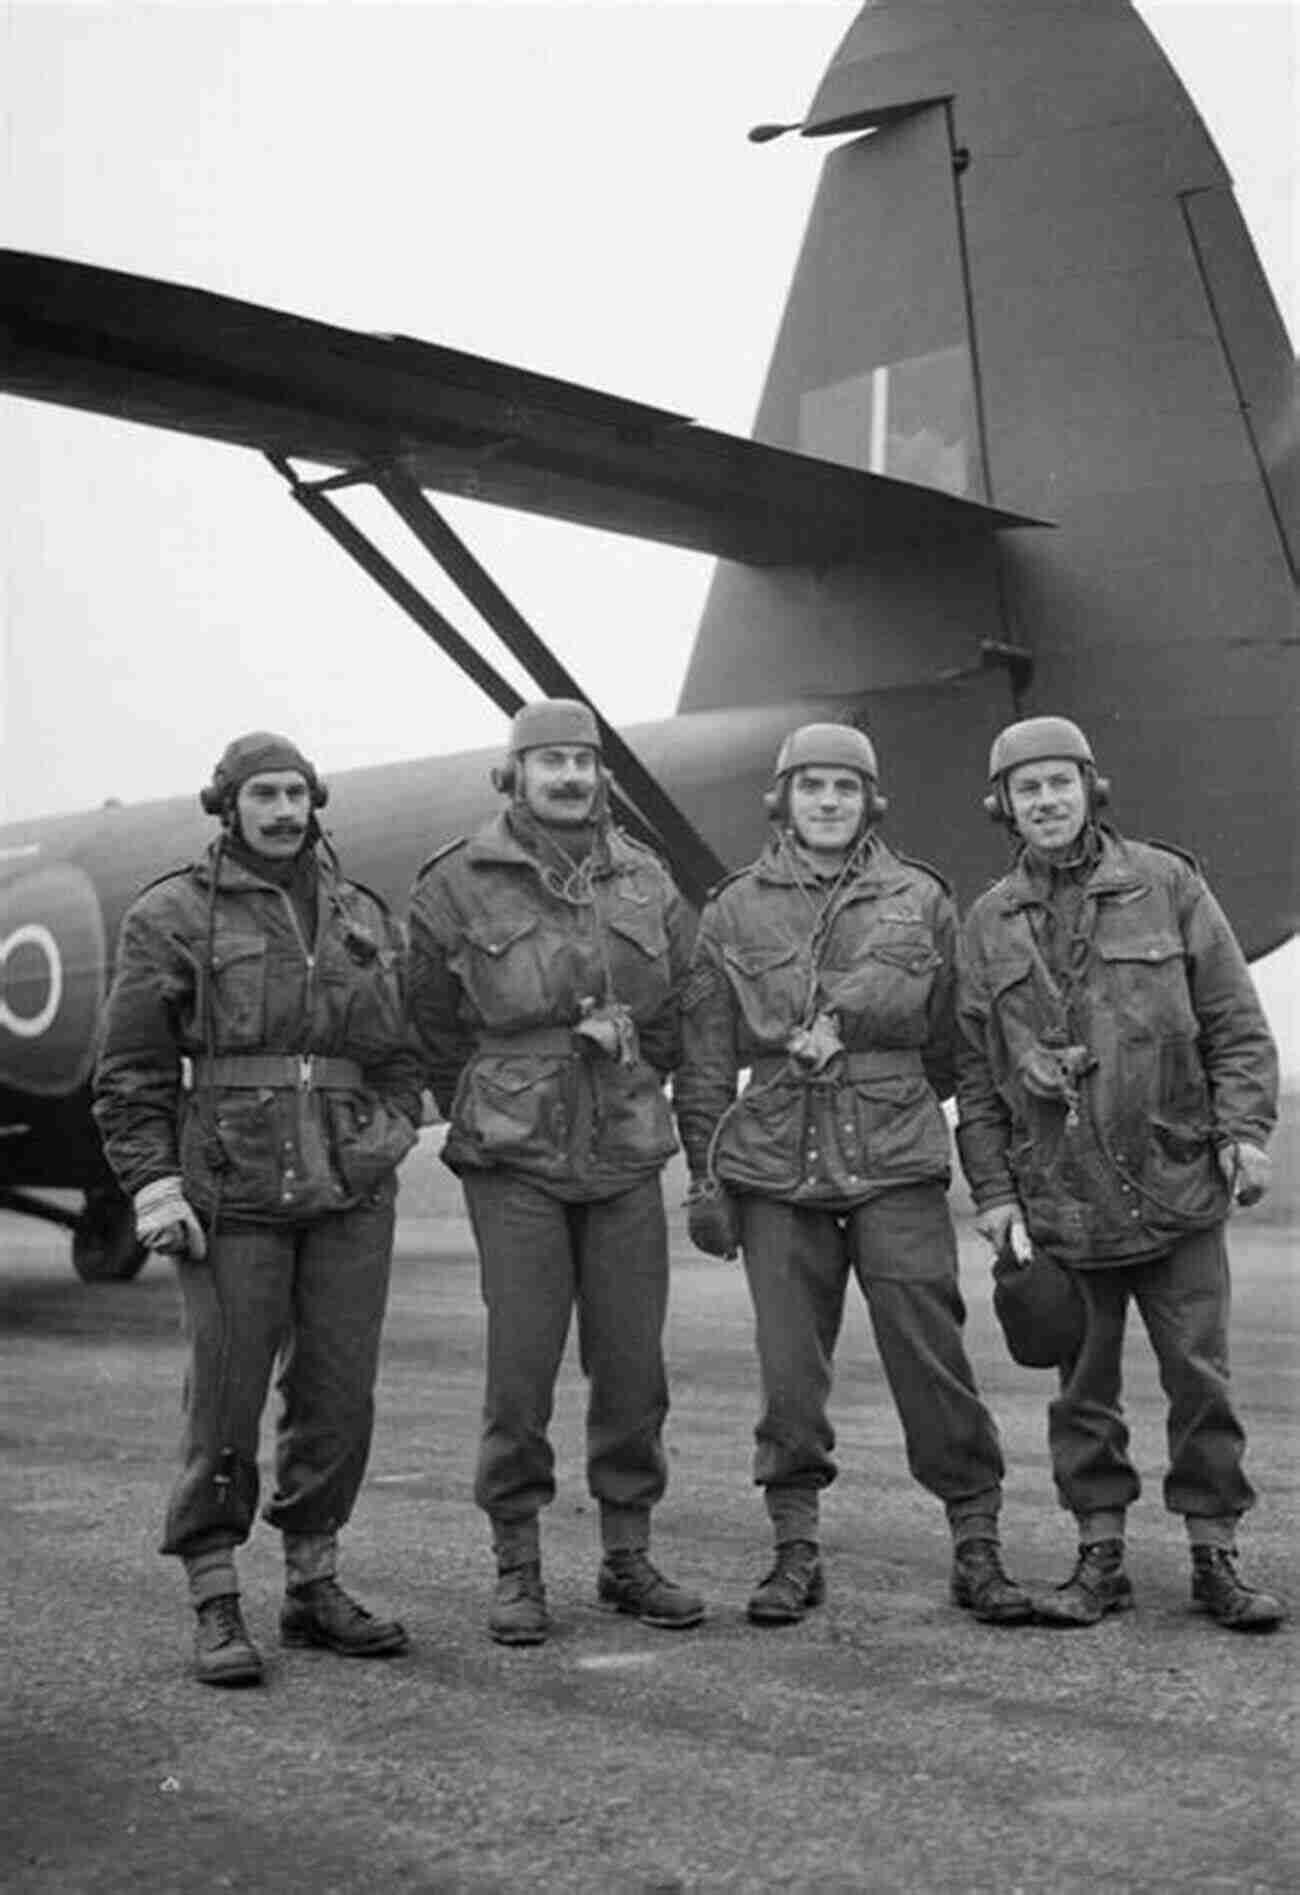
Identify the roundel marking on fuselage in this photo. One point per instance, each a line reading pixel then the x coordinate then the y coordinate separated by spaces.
pixel 30 1026
pixel 53 967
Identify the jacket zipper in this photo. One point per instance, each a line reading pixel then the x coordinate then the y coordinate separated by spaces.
pixel 309 957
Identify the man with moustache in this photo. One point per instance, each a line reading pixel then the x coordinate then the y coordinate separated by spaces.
pixel 1117 1088
pixel 255 1091
pixel 546 956
pixel 826 968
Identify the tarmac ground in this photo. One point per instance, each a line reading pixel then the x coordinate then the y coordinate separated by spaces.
pixel 887 1743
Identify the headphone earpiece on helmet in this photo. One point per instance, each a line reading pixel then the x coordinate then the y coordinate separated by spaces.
pixel 505 776
pixel 218 799
pixel 776 801
pixel 997 804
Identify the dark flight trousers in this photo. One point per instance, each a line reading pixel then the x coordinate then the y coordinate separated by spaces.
pixel 902 1250
pixel 1184 1298
pixel 539 1257
pixel 314 1294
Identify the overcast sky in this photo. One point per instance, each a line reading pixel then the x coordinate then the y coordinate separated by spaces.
pixel 565 186
pixel 568 187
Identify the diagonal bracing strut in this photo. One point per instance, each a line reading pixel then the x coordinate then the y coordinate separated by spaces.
pixel 642 803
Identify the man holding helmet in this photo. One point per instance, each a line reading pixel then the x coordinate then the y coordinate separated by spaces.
pixel 547 953
pixel 1117 1087
pixel 826 969
pixel 255 1093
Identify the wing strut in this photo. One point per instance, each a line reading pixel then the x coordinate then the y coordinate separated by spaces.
pixel 641 802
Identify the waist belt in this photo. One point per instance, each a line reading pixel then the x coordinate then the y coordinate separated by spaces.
pixel 898 1063
pixel 540 1039
pixel 307 1071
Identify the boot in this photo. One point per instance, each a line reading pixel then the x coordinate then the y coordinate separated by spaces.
pixel 628 1582
pixel 519 1615
pixel 223 1651
pixel 1217 1588
pixel 321 1613
pixel 794 1585
pixel 981 1586
pixel 1097 1585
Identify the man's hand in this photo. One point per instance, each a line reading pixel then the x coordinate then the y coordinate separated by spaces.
pixel 711 1219
pixel 164 1220
pixel 1003 1226
pixel 1247 1171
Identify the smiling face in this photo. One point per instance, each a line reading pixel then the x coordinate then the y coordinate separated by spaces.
pixel 826 808
pixel 1049 803
pixel 559 782
pixel 272 810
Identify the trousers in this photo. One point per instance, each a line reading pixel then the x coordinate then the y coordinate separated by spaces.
pixel 312 1295
pixel 1183 1297
pixel 540 1259
pixel 901 1248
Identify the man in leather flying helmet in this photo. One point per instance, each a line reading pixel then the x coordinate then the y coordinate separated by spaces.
pixel 255 1091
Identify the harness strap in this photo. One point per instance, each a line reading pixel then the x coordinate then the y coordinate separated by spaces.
pixel 547 1040
pixel 888 1063
pixel 306 1071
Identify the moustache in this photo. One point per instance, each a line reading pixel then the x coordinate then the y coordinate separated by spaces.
pixel 285 829
pixel 578 795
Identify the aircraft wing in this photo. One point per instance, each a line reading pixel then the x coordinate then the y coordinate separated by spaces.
pixel 168 356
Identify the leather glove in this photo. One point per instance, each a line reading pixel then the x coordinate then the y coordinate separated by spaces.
pixel 1247 1171
pixel 711 1219
pixel 165 1222
pixel 1003 1226
pixel 610 1029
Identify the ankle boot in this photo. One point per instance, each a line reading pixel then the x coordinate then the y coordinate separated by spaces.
pixel 1097 1585
pixel 1220 1591
pixel 519 1615
pixel 322 1614
pixel 981 1586
pixel 630 1582
pixel 224 1654
pixel 794 1585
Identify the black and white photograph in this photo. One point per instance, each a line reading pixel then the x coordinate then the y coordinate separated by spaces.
pixel 650 946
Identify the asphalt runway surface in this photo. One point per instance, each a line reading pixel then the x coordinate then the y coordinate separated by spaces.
pixel 888 1743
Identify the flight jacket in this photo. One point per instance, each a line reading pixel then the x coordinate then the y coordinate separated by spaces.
pixel 268 1133
pixel 503 967
pixel 1175 1052
pixel 884 968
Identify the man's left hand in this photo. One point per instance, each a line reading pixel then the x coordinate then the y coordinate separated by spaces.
pixel 1247 1171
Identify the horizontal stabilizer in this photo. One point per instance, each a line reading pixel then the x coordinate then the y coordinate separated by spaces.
pixel 172 357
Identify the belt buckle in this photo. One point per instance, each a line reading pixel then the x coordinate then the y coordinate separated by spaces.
pixel 305 1065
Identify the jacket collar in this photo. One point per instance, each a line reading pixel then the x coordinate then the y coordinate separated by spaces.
pixel 878 873
pixel 233 874
pixel 1115 872
pixel 497 843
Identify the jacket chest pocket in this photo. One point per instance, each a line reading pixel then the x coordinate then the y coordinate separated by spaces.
pixel 1017 1000
pixel 770 985
pixel 501 964
pixel 888 987
pixel 1022 1008
pixel 238 976
pixel 1145 983
pixel 638 947
pixel 363 1004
